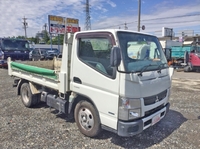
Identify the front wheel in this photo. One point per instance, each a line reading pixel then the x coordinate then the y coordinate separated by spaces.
pixel 27 97
pixel 87 119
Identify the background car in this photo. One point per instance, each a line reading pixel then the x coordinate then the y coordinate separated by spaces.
pixel 3 63
pixel 44 54
pixel 30 54
pixel 51 53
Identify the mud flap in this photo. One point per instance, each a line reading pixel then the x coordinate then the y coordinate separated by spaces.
pixel 34 89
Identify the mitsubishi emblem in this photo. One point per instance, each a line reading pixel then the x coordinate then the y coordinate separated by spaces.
pixel 156 99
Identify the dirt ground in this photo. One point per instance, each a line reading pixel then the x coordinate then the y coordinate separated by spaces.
pixel 42 128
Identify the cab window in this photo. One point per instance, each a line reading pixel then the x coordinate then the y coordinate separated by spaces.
pixel 95 52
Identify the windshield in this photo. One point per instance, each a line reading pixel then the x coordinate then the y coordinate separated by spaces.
pixel 13 44
pixel 43 51
pixel 141 51
pixel 195 49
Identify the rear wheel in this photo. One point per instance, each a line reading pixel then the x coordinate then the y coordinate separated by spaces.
pixel 186 57
pixel 186 69
pixel 27 97
pixel 87 119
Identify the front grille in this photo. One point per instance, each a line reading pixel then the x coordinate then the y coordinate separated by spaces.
pixel 155 98
pixel 152 111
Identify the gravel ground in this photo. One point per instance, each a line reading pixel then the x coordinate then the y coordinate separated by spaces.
pixel 41 128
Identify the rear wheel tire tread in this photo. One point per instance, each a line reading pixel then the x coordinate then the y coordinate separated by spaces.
pixel 28 99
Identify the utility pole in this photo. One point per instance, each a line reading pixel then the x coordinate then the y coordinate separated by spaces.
pixel 45 26
pixel 87 17
pixel 125 26
pixel 25 25
pixel 139 11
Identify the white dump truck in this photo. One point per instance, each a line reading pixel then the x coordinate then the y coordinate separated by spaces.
pixel 100 81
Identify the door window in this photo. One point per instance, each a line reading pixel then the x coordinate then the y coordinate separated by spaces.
pixel 95 52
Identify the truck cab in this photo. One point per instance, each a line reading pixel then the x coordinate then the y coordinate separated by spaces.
pixel 131 95
pixel 192 59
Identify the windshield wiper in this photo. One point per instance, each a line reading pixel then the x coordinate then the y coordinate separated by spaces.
pixel 160 67
pixel 144 68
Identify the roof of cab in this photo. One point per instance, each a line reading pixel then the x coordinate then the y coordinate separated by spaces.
pixel 114 31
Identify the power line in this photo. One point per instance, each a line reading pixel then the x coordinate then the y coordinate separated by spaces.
pixel 174 22
pixel 154 19
pixel 166 18
pixel 190 15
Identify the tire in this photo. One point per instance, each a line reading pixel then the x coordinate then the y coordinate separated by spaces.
pixel 186 57
pixel 28 99
pixel 87 119
pixel 186 69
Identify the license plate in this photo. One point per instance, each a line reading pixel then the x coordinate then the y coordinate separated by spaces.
pixel 155 119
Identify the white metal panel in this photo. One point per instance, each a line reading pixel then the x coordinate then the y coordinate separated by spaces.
pixel 150 83
pixel 62 82
pixel 36 79
pixel 187 42
pixel 102 90
pixel 66 63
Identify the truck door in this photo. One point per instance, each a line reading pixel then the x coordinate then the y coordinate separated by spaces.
pixel 92 75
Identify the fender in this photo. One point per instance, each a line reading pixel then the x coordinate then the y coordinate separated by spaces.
pixel 34 89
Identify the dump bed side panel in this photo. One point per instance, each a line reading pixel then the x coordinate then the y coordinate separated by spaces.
pixel 43 76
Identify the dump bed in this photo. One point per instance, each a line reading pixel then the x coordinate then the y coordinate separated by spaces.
pixel 178 52
pixel 45 73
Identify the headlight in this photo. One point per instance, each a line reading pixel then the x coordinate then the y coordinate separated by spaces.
pixel 129 108
pixel 125 103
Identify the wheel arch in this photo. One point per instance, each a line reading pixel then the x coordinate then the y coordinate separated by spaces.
pixel 82 98
pixel 33 87
pixel 21 81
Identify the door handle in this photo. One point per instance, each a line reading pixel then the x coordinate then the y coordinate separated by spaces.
pixel 77 80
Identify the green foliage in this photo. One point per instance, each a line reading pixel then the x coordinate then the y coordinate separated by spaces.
pixel 19 37
pixel 56 40
pixel 33 39
pixel 46 36
pixel 46 39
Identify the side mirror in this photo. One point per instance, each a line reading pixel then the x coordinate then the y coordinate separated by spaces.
pixel 115 57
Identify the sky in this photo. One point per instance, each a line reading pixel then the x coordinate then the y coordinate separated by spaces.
pixel 180 15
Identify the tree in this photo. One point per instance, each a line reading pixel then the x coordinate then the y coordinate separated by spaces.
pixel 20 37
pixel 33 40
pixel 46 36
pixel 55 40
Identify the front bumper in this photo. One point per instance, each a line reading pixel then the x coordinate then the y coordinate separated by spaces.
pixel 127 129
pixel 3 63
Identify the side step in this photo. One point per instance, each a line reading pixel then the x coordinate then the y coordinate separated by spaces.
pixel 57 103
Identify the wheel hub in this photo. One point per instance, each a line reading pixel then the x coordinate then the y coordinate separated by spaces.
pixel 86 118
